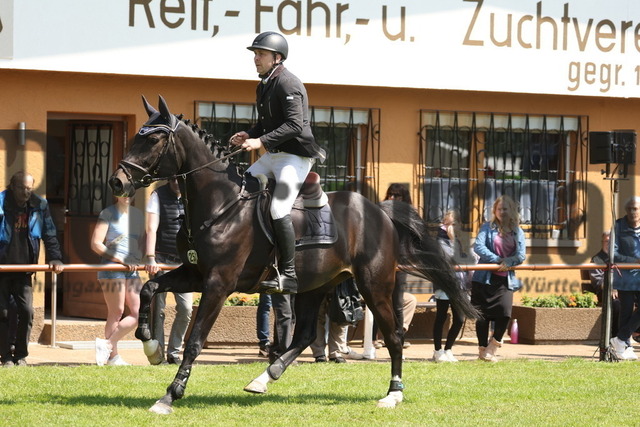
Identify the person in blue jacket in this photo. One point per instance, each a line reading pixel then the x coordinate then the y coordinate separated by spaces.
pixel 499 241
pixel 25 220
pixel 627 282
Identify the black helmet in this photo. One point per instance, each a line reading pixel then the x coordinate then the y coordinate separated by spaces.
pixel 272 41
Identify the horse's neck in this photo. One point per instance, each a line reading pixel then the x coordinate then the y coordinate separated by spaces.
pixel 210 188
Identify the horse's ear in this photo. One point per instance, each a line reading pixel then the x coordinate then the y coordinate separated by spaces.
pixel 164 110
pixel 148 107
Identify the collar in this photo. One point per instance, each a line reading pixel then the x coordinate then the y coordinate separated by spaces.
pixel 265 77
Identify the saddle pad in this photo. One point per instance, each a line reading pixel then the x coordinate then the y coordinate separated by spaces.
pixel 321 227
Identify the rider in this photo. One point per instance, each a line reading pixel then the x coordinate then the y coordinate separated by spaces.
pixel 284 130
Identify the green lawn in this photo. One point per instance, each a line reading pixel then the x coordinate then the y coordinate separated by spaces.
pixel 575 392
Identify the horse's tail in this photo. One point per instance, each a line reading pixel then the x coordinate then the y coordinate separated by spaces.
pixel 421 255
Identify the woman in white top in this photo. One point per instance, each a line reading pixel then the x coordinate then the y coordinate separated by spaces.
pixel 118 238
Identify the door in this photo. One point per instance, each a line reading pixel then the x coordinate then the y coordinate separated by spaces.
pixel 93 149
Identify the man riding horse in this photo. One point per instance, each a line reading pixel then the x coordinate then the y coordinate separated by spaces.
pixel 284 130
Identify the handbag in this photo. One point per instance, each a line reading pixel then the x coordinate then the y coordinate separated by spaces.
pixel 345 306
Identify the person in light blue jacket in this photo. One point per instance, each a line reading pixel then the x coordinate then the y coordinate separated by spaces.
pixel 499 241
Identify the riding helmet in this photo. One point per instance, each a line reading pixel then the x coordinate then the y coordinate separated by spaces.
pixel 272 41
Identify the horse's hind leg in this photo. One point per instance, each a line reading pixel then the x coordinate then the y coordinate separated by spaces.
pixel 381 295
pixel 307 307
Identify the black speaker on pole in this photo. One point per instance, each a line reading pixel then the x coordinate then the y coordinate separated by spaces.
pixel 625 147
pixel 601 147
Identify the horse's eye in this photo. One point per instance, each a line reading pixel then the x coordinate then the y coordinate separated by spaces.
pixel 153 139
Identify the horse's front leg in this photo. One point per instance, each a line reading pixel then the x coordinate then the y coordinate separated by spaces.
pixel 307 307
pixel 182 279
pixel 211 303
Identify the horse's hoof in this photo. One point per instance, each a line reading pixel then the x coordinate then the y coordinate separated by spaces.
pixel 391 400
pixel 256 387
pixel 161 408
pixel 153 352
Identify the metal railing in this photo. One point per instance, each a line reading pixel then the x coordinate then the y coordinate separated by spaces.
pixel 6 268
pixel 35 268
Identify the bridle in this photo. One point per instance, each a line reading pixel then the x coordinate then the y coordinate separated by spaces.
pixel 149 175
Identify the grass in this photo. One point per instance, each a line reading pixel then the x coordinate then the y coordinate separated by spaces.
pixel 574 392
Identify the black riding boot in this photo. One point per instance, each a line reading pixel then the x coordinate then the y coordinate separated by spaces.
pixel 286 282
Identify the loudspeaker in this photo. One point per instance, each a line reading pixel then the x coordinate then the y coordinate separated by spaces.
pixel 625 147
pixel 601 147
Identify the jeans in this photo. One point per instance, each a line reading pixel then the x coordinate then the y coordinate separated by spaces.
pixel 629 315
pixel 19 286
pixel 262 319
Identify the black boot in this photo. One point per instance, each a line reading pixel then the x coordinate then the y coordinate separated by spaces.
pixel 286 282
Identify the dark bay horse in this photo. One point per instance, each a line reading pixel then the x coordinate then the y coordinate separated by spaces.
pixel 224 249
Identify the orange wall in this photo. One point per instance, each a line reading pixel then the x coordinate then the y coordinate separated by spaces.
pixel 29 96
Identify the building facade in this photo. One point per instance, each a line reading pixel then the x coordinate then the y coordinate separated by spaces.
pixel 460 101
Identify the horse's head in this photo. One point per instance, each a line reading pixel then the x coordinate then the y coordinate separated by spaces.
pixel 153 153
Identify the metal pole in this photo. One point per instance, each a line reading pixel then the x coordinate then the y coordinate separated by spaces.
pixel 54 307
pixel 606 354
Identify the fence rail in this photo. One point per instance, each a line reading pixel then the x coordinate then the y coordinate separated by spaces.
pixel 117 267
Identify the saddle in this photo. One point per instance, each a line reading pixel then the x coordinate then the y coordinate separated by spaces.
pixel 311 214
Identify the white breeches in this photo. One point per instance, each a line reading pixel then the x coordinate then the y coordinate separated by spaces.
pixel 289 171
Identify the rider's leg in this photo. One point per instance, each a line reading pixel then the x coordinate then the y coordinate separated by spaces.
pixel 290 172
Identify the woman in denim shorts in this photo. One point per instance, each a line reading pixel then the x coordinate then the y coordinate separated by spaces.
pixel 117 238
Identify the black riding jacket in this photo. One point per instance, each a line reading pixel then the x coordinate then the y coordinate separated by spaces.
pixel 283 116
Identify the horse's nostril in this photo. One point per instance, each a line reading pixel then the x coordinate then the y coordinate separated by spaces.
pixel 115 184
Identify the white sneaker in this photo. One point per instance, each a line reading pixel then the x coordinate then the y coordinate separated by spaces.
pixel 103 351
pixel 353 355
pixel 450 356
pixel 619 346
pixel 628 354
pixel 439 356
pixel 117 361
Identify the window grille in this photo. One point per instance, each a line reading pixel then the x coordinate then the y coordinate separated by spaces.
pixel 350 137
pixel 468 159
pixel 90 168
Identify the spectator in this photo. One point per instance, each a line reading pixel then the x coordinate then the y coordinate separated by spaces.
pixel 24 221
pixel 284 130
pixel 284 322
pixel 598 277
pixel 399 193
pixel 447 237
pixel 627 283
pixel 334 337
pixel 164 212
pixel 499 241
pixel 262 324
pixel 117 238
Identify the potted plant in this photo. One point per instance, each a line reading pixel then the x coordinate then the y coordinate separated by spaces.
pixel 236 323
pixel 553 318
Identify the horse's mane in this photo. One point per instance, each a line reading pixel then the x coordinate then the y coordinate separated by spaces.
pixel 217 147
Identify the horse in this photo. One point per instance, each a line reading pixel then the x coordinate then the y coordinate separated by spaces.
pixel 224 248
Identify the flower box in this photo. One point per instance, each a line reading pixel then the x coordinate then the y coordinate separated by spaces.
pixel 234 325
pixel 542 325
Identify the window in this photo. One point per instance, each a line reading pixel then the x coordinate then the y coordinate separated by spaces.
pixel 468 159
pixel 350 137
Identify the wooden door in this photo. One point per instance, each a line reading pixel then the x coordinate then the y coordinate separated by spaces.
pixel 93 151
